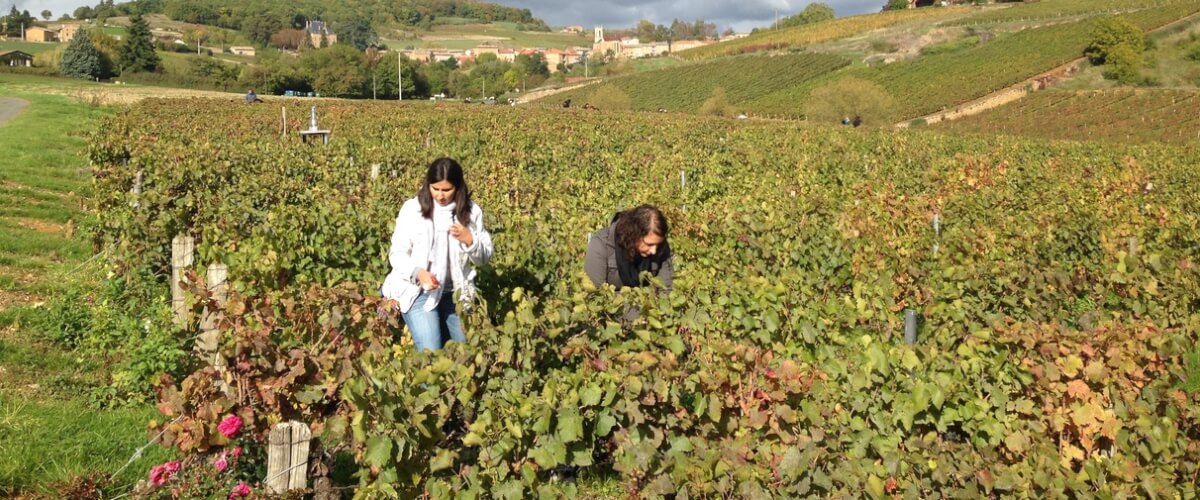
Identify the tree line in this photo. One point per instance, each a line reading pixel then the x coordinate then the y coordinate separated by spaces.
pixel 339 70
pixel 260 19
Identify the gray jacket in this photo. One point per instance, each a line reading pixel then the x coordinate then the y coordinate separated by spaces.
pixel 601 261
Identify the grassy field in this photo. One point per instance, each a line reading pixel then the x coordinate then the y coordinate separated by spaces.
pixel 467 36
pixel 49 431
pixel 27 47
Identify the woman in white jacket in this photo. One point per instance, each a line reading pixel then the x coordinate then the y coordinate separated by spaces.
pixel 438 243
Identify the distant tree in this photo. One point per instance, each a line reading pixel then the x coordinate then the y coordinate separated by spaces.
pixel 337 71
pixel 436 76
pixel 289 39
pixel 896 5
pixel 136 53
pixel 195 37
pixel 532 64
pixel 299 21
pixel 814 13
pixel 646 31
pixel 213 71
pixel 358 33
pixel 46 14
pixel 680 30
pixel 12 23
pixel 384 72
pixel 64 17
pixel 728 33
pixel 84 12
pixel 260 27
pixel 858 100
pixel 1112 32
pixel 81 59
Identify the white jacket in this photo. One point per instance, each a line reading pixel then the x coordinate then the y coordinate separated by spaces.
pixel 412 241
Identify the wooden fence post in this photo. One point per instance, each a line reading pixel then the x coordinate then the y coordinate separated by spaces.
pixel 137 190
pixel 183 248
pixel 287 457
pixel 374 170
pixel 209 342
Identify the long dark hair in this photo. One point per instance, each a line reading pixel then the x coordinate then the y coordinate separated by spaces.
pixel 634 224
pixel 446 169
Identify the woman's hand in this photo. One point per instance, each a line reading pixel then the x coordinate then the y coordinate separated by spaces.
pixel 462 234
pixel 427 280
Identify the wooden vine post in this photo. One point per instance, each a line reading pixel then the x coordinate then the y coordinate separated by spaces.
pixel 183 256
pixel 287 457
pixel 209 342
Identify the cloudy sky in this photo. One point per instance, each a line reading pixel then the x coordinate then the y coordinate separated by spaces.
pixel 741 15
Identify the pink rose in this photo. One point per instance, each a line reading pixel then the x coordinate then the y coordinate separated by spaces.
pixel 237 452
pixel 239 491
pixel 160 474
pixel 221 463
pixel 230 426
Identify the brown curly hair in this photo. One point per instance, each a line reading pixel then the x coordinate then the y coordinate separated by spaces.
pixel 634 224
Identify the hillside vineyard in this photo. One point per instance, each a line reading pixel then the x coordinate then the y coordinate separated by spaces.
pixel 1058 299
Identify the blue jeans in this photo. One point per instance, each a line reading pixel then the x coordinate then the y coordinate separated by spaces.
pixel 432 329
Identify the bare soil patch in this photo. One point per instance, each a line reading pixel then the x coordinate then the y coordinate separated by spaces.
pixel 42 226
pixel 10 299
pixel 10 107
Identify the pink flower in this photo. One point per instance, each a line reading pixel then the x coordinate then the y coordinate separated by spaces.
pixel 230 426
pixel 160 474
pixel 221 463
pixel 237 452
pixel 239 491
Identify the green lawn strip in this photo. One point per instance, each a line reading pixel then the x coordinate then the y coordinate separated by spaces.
pixel 44 442
pixel 49 431
pixel 32 48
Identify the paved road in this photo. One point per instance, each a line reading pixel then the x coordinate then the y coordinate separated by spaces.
pixel 10 107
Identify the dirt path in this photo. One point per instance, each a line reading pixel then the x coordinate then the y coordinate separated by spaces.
pixel 10 107
pixel 538 94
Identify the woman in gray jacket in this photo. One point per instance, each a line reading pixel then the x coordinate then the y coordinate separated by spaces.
pixel 438 243
pixel 634 243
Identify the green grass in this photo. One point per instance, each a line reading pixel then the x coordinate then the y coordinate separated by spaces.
pixel 19 85
pixel 466 36
pixel 32 48
pixel 49 432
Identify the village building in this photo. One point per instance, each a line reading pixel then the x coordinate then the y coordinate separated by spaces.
pixel 575 30
pixel 40 34
pixel 16 58
pixel 242 51
pixel 618 47
pixel 556 57
pixel 66 32
pixel 317 32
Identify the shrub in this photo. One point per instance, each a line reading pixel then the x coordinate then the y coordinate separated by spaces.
pixel 1124 64
pixel 611 98
pixel 717 104
pixel 851 98
pixel 1111 33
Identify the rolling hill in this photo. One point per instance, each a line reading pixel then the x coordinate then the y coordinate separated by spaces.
pixel 927 60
